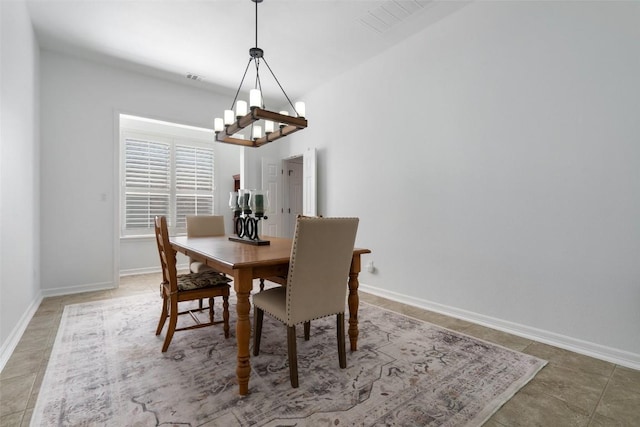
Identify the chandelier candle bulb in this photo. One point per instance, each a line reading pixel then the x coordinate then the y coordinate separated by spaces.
pixel 255 98
pixel 284 113
pixel 241 109
pixel 218 125
pixel 268 126
pixel 228 117
pixel 301 109
pixel 256 132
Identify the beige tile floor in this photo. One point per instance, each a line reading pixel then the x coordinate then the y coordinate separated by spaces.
pixel 572 390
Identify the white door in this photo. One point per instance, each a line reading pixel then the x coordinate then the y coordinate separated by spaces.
pixel 293 194
pixel 309 197
pixel 271 181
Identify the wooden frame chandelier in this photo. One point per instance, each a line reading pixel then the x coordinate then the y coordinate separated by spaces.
pixel 265 126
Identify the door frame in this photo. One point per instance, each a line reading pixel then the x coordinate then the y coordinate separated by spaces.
pixel 309 189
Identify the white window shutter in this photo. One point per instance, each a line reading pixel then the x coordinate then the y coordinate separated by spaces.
pixel 147 183
pixel 165 176
pixel 194 182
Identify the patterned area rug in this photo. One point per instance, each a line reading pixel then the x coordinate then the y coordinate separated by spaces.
pixel 106 368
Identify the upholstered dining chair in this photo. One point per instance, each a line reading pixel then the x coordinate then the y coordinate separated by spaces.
pixel 316 284
pixel 282 280
pixel 203 226
pixel 186 287
pixel 207 226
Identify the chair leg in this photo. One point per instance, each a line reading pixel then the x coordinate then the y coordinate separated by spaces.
pixel 163 315
pixel 173 321
pixel 293 355
pixel 307 330
pixel 342 356
pixel 211 313
pixel 225 315
pixel 258 314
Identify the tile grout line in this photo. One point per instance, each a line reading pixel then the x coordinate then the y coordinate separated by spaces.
pixel 43 366
pixel 604 390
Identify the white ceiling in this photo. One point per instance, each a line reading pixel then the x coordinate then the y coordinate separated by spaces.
pixel 306 42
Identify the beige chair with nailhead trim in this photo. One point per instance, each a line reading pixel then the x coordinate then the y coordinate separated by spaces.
pixel 316 283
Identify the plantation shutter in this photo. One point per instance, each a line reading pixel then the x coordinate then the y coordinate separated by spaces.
pixel 147 183
pixel 165 169
pixel 194 182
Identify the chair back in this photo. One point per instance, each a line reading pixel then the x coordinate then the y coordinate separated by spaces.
pixel 205 225
pixel 319 267
pixel 167 253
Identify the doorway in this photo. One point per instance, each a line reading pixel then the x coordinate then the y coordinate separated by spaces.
pixel 293 184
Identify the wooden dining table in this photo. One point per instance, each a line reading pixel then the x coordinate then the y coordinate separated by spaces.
pixel 245 262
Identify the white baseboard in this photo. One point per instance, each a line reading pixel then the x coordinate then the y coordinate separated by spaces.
pixel 609 354
pixel 70 290
pixel 135 271
pixel 12 341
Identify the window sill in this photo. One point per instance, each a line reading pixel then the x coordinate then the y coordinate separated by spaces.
pixel 145 237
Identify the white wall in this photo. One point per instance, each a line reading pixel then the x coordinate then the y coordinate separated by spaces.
pixel 19 176
pixel 80 103
pixel 494 162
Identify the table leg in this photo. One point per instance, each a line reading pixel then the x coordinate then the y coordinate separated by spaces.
pixel 354 302
pixel 243 284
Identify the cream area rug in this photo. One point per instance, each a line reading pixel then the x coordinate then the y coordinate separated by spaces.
pixel 106 369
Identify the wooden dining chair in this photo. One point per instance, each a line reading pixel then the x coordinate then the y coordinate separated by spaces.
pixel 316 284
pixel 186 287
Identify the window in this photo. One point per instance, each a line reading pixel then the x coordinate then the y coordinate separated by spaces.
pixel 194 182
pixel 165 171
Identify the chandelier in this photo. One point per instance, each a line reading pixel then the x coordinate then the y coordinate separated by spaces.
pixel 264 126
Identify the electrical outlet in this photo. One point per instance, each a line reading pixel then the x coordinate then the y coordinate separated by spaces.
pixel 370 267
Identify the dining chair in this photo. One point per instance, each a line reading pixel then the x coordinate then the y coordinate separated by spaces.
pixel 186 287
pixel 207 226
pixel 316 284
pixel 282 280
pixel 203 226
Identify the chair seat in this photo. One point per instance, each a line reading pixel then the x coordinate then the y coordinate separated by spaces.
pixel 273 301
pixel 206 279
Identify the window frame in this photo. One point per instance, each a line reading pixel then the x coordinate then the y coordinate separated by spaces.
pixel 164 132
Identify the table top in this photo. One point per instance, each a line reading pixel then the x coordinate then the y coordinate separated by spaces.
pixel 241 255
